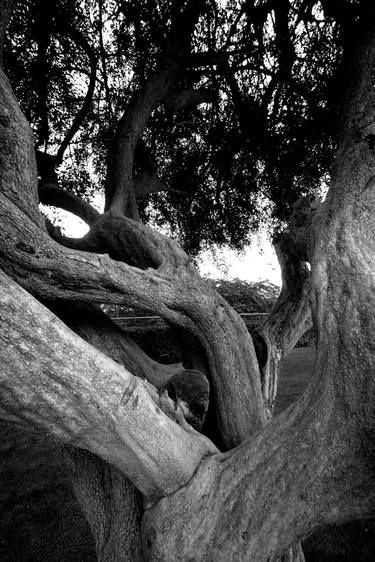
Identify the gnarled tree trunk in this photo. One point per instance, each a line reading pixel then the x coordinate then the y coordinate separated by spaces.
pixel 274 483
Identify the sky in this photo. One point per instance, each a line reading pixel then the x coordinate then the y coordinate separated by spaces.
pixel 258 262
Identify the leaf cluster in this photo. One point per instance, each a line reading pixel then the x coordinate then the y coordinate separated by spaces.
pixel 228 166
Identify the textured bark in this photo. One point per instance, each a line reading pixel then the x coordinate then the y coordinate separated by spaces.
pixel 18 179
pixel 111 504
pixel 59 384
pixel 290 318
pixel 312 465
pixel 174 291
pixel 95 327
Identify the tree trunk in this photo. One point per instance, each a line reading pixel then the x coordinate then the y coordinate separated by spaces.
pixel 277 482
pixel 111 504
pixel 312 465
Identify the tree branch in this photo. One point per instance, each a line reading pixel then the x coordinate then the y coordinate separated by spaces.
pixel 173 291
pixel 91 324
pixel 80 40
pixel 52 194
pixel 184 99
pixel 119 187
pixel 17 163
pixel 59 384
pixel 306 464
pixel 291 317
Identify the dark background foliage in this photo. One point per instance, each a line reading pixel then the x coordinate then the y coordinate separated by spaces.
pixel 228 166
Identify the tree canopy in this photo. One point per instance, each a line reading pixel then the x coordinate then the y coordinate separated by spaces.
pixel 197 115
pixel 248 127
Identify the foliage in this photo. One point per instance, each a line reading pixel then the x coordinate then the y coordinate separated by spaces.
pixel 248 297
pixel 228 166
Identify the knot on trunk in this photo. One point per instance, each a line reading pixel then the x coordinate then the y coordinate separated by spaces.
pixel 190 390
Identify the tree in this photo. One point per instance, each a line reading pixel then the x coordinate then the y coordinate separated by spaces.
pixel 246 486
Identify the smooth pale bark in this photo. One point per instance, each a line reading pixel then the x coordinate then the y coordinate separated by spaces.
pixel 59 384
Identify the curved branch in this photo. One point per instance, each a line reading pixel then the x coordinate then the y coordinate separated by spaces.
pixel 18 174
pixel 119 185
pixel 289 319
pixel 91 324
pixel 52 194
pixel 82 42
pixel 304 466
pixel 174 291
pixel 59 384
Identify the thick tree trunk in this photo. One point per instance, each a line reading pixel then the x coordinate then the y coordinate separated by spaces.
pixel 111 504
pixel 311 466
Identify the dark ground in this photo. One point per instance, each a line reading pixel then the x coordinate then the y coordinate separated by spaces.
pixel 41 522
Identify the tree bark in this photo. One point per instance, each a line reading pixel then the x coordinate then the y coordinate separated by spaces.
pixel 173 291
pixel 290 318
pixel 52 194
pixel 119 186
pixel 111 504
pixel 18 176
pixel 311 466
pixel 62 388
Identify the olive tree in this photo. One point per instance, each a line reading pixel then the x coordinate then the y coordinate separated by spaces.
pixel 151 482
